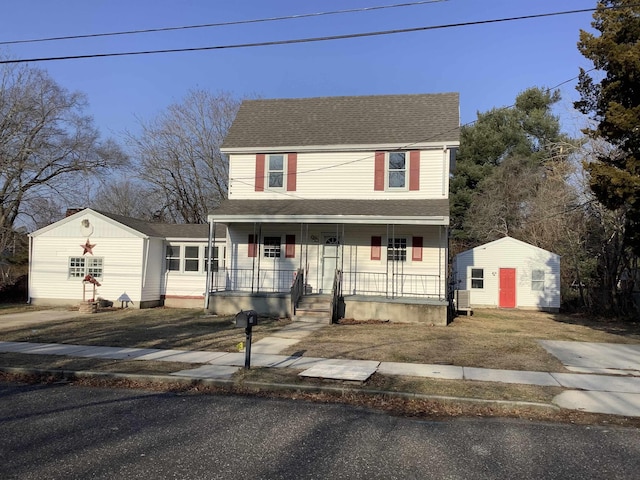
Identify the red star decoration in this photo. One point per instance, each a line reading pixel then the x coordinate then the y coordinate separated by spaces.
pixel 88 248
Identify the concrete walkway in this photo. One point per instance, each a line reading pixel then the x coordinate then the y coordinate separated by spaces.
pixel 619 395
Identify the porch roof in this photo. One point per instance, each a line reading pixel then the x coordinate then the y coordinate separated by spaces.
pixel 408 212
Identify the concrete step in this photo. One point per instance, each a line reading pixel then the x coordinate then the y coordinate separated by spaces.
pixel 313 312
pixel 312 301
pixel 326 318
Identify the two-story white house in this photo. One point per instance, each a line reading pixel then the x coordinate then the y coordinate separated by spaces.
pixel 348 195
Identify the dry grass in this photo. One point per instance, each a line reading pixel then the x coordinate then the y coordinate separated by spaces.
pixel 489 339
pixel 188 329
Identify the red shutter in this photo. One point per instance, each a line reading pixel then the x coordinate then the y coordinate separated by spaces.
pixel 260 172
pixel 416 254
pixel 414 170
pixel 378 178
pixel 252 246
pixel 290 246
pixel 376 248
pixel 292 171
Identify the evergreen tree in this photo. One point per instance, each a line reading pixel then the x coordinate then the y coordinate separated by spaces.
pixel 614 105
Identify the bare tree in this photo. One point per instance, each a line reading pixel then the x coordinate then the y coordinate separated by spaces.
pixel 48 145
pixel 180 158
pixel 128 197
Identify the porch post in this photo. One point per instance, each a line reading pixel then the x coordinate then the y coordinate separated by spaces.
pixel 212 227
pixel 259 242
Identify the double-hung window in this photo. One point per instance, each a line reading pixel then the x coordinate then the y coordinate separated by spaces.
pixel 80 267
pixel 275 173
pixel 191 259
pixel 272 247
pixel 537 280
pixel 172 257
pixel 397 170
pixel 215 261
pixel 397 250
pixel 477 278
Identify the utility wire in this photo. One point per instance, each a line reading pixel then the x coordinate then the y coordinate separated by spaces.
pixel 408 145
pixel 220 24
pixel 302 40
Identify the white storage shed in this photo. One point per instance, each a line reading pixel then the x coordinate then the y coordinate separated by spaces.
pixel 509 273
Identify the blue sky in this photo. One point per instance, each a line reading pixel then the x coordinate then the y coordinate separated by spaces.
pixel 488 64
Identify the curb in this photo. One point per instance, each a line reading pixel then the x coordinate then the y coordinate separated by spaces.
pixel 263 386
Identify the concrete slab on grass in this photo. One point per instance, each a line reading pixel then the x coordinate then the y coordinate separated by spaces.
pixel 208 371
pixel 594 355
pixel 614 403
pixel 599 383
pixel 510 376
pixel 448 372
pixel 354 370
pixel 298 330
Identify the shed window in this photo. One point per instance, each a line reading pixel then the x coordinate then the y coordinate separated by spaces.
pixel 537 280
pixel 477 278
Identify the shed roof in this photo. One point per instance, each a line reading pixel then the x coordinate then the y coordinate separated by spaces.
pixel 359 120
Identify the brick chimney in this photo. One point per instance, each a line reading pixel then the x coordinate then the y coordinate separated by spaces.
pixel 72 211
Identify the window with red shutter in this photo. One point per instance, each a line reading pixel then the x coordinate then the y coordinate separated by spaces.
pixel 290 247
pixel 378 179
pixel 252 245
pixel 376 248
pixel 416 254
pixel 259 185
pixel 292 171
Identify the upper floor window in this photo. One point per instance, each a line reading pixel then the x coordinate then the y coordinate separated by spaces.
pixel 397 170
pixel 275 171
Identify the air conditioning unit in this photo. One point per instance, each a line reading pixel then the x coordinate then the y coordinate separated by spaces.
pixel 463 299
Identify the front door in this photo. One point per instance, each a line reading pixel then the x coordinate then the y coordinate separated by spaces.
pixel 507 288
pixel 330 255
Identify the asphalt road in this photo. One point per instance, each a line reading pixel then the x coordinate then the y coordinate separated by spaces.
pixel 69 432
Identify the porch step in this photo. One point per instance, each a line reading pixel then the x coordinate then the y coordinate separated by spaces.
pixel 314 309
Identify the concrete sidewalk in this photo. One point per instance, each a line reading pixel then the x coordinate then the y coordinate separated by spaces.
pixel 617 395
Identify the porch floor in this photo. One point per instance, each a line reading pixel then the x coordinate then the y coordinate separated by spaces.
pixel 403 300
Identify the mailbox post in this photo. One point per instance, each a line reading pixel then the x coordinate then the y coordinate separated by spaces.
pixel 247 319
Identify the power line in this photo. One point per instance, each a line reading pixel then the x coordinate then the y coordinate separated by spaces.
pixel 408 145
pixel 220 24
pixel 301 40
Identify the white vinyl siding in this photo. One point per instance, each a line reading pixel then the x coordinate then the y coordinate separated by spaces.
pixel 355 253
pixel 543 293
pixel 348 175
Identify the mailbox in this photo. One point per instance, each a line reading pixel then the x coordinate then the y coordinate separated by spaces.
pixel 246 319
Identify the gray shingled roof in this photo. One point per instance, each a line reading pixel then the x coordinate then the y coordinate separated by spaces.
pixel 167 230
pixel 364 120
pixel 380 208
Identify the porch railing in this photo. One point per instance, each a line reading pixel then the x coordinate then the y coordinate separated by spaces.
pixel 392 285
pixel 413 285
pixel 248 280
pixel 336 295
pixel 297 290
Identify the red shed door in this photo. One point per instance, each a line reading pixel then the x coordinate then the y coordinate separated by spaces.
pixel 507 288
